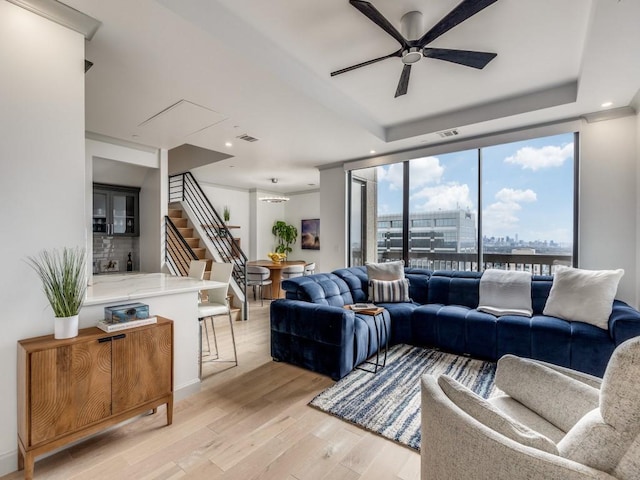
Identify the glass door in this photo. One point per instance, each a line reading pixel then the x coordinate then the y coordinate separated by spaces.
pixel 358 223
pixel 100 210
pixel 123 213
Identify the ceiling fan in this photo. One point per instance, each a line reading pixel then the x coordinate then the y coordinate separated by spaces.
pixel 413 46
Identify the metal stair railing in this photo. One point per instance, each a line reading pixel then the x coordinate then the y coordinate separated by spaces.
pixel 178 253
pixel 184 188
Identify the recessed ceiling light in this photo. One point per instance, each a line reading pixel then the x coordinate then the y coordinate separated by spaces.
pixel 372 152
pixel 228 144
pixel 606 104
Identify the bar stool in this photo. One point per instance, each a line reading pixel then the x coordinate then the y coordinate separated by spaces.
pixel 217 304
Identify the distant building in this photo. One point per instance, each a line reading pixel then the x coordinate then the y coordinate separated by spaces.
pixel 429 232
pixel 523 251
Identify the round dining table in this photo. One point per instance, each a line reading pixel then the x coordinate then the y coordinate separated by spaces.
pixel 276 273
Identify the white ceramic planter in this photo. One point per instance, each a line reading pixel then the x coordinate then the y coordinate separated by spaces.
pixel 65 327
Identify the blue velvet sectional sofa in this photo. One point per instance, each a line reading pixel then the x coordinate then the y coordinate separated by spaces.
pixel 312 329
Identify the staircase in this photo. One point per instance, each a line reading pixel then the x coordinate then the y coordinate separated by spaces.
pixel 196 251
pixel 206 224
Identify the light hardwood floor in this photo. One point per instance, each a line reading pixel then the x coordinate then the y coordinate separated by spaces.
pixel 247 422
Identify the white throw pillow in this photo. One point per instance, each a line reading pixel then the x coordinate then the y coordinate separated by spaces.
pixel 386 271
pixel 505 292
pixel 487 414
pixel 583 295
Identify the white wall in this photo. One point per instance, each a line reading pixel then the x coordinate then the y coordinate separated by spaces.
pixel 333 218
pixel 609 199
pixel 637 217
pixel 154 198
pixel 42 185
pixel 238 202
pixel 262 216
pixel 304 206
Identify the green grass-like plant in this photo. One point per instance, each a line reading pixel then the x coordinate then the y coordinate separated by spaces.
pixel 63 279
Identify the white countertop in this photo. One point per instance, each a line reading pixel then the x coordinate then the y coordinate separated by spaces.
pixel 118 288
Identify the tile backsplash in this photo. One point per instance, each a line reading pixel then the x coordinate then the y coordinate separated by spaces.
pixel 110 253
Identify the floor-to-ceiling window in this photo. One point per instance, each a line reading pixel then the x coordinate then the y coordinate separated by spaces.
pixel 504 206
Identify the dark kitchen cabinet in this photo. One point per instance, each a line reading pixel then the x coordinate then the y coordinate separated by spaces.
pixel 116 210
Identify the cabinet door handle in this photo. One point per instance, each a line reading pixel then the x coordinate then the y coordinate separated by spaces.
pixel 114 337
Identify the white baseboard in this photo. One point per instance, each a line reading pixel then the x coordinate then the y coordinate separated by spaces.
pixel 184 391
pixel 9 462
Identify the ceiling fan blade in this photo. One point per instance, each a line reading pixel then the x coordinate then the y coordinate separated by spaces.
pixel 464 10
pixel 467 58
pixel 376 17
pixel 403 84
pixel 369 62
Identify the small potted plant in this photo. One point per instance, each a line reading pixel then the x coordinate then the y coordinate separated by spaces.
pixel 63 277
pixel 226 214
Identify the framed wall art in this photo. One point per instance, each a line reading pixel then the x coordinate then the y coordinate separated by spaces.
pixel 310 234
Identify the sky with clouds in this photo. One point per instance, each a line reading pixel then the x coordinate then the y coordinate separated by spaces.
pixel 527 187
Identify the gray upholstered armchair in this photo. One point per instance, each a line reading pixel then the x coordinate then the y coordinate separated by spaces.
pixel 550 423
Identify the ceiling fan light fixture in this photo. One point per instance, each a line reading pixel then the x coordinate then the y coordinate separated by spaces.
pixel 413 55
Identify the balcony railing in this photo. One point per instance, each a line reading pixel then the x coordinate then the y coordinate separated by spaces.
pixel 537 264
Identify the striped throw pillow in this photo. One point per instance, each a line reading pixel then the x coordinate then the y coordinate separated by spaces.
pixel 390 291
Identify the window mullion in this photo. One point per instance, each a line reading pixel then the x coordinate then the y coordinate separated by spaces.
pixel 405 212
pixel 479 215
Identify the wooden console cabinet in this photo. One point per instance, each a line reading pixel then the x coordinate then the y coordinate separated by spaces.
pixel 68 389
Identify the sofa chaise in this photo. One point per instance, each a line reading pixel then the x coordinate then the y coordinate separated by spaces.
pixel 311 328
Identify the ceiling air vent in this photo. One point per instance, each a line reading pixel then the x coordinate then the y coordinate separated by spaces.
pixel 448 133
pixel 247 138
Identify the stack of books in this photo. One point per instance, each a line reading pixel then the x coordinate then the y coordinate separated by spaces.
pixel 122 317
pixel 357 307
pixel 365 308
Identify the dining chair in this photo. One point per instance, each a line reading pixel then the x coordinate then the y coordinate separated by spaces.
pixel 310 268
pixel 258 277
pixel 292 271
pixel 217 304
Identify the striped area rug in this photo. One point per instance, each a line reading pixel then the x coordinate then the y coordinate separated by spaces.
pixel 388 403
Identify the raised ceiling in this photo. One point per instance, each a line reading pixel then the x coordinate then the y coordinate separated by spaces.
pixel 262 68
